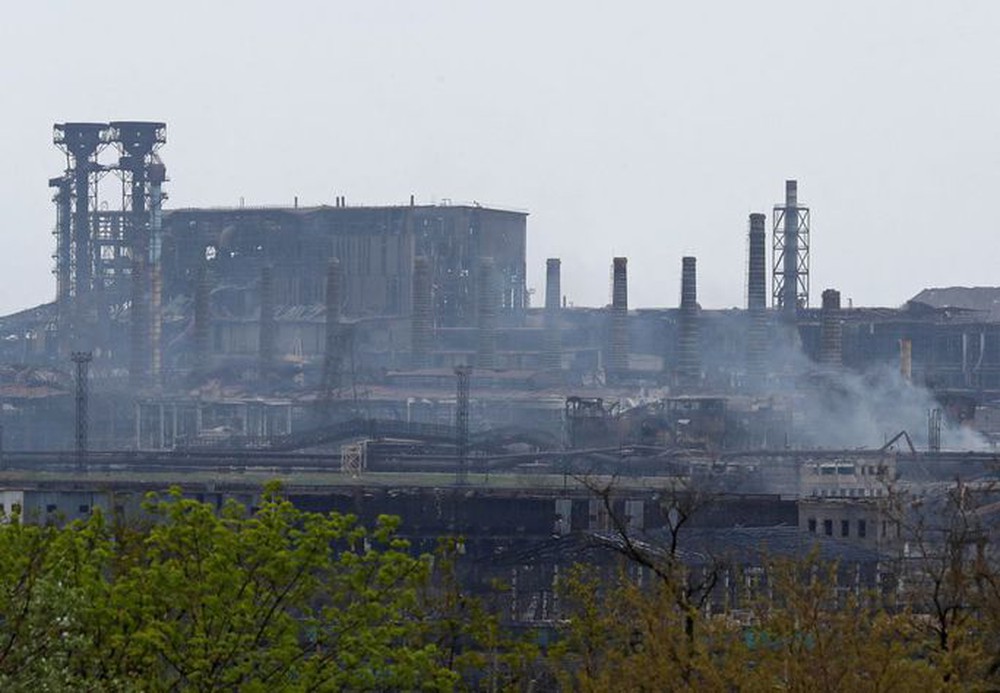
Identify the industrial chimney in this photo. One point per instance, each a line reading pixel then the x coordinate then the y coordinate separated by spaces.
pixel 688 361
pixel 618 346
pixel 756 297
pixel 790 281
pixel 790 257
pixel 552 352
pixel 831 331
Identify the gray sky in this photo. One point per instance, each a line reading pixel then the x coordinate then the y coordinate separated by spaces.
pixel 647 129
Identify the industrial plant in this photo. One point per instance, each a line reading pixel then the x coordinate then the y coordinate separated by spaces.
pixel 389 359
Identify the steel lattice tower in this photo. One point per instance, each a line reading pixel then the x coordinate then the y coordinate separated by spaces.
pixel 790 245
pixel 81 142
pixel 142 176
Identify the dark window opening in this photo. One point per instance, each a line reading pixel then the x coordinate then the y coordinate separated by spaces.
pixel 862 529
pixel 845 528
pixel 828 527
pixel 812 525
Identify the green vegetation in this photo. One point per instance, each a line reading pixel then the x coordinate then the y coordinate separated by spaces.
pixel 278 599
pixel 199 600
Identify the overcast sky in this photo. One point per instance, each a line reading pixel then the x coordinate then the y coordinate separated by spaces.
pixel 649 130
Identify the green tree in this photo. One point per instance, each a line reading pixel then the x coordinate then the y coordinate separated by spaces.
pixel 277 599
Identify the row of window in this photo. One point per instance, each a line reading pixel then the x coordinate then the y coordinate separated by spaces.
pixel 50 508
pixel 848 492
pixel 845 527
pixel 850 469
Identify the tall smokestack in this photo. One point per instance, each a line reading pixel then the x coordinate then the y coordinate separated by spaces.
pixel 831 331
pixel 422 315
pixel 333 353
pixel 757 264
pixel 790 258
pixel 553 284
pixel 266 334
pixel 486 348
pixel 618 347
pixel 552 354
pixel 688 361
pixel 202 326
pixel 790 278
pixel 756 298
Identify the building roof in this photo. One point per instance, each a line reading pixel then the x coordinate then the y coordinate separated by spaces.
pixel 316 209
pixel 985 299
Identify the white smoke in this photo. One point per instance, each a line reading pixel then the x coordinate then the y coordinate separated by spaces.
pixel 840 408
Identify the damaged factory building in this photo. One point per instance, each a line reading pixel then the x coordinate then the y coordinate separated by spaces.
pixel 247 322
pixel 357 340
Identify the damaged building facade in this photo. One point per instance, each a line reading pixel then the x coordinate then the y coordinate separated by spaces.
pixel 261 321
pixel 358 340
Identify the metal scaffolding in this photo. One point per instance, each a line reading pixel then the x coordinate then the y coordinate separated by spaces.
pixel 790 254
pixel 142 175
pixel 81 142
